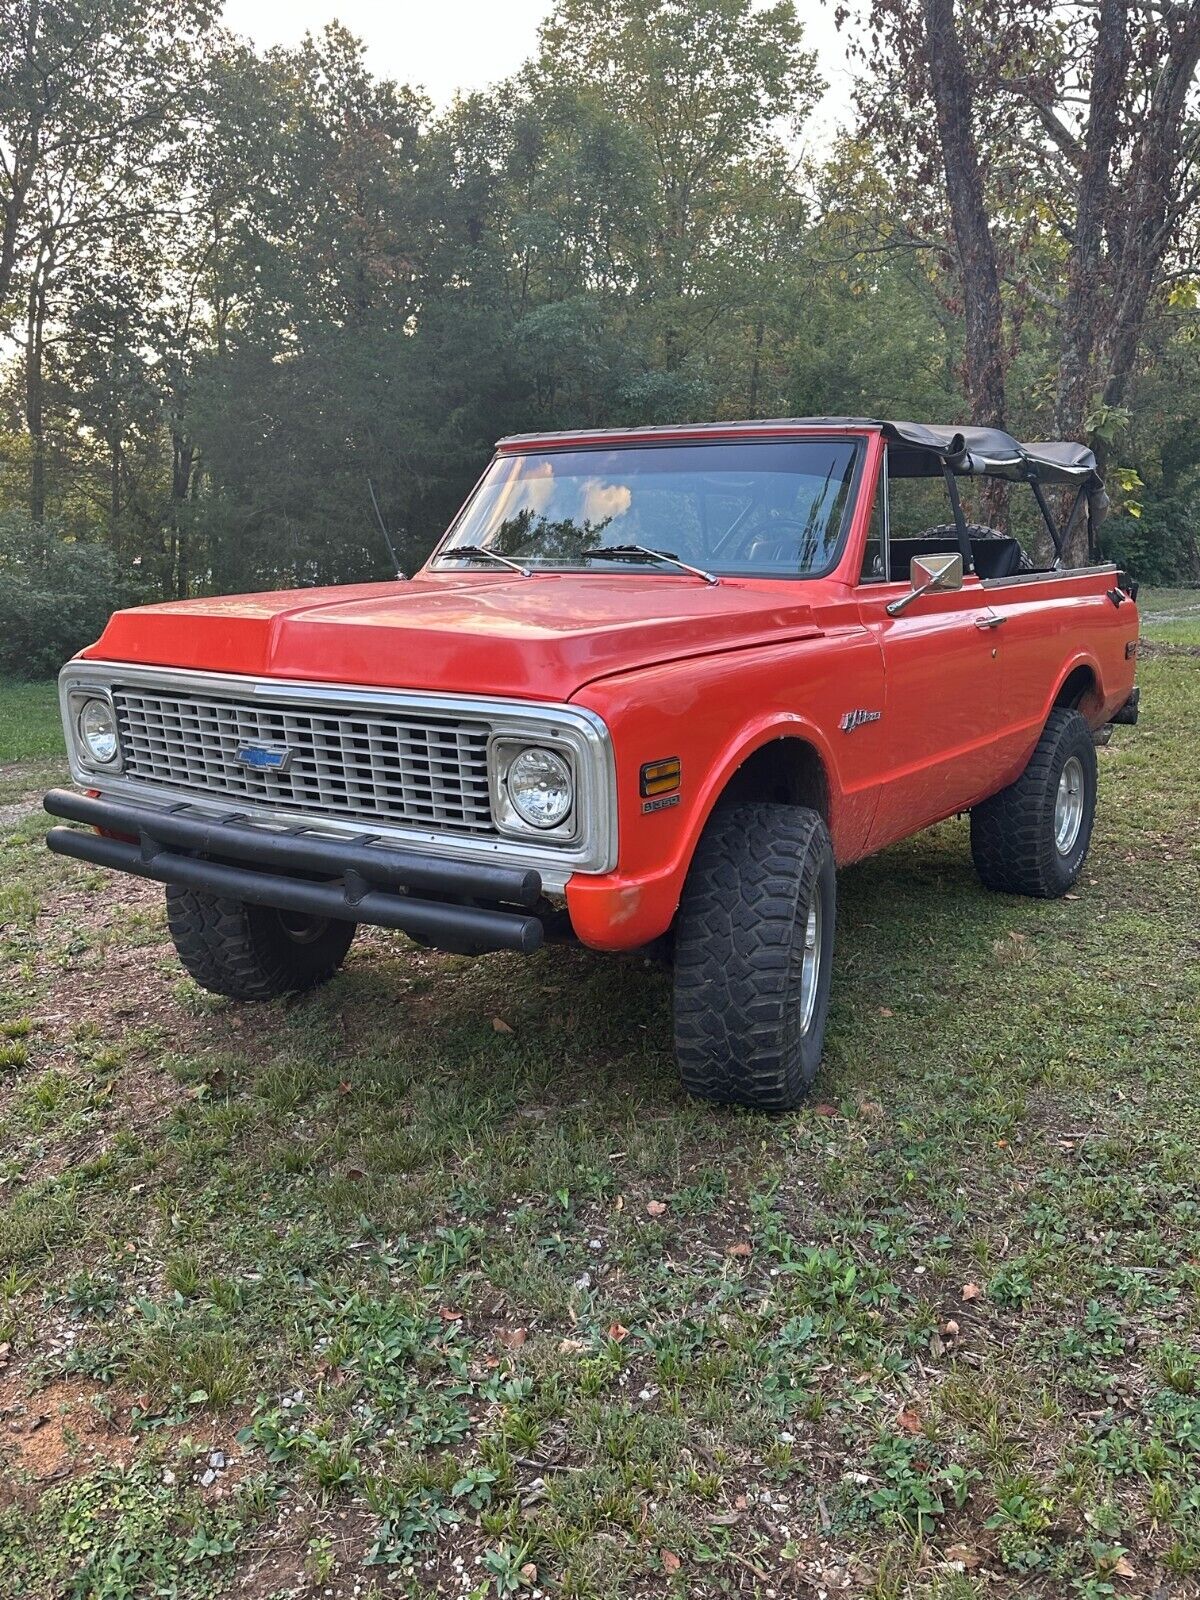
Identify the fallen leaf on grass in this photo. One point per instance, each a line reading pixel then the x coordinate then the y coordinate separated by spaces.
pixel 500 1026
pixel 344 1086
pixel 617 1332
pixel 670 1561
pixel 1123 1569
pixel 529 1572
pixel 909 1419
pixel 655 1208
pixel 824 1109
pixel 512 1338
pixel 965 1557
pixel 571 1347
pixel 447 1315
pixel 741 1248
pixel 886 1011
pixel 972 1291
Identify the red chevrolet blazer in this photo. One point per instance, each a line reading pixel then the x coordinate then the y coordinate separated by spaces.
pixel 651 688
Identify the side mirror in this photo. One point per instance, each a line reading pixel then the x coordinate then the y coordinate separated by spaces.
pixel 929 575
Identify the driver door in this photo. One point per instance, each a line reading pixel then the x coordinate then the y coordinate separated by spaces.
pixel 941 708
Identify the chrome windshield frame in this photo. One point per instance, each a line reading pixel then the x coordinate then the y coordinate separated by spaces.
pixel 857 443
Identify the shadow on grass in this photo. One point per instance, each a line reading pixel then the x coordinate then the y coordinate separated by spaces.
pixel 570 1026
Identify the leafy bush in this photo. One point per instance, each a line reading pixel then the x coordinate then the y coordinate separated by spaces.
pixel 56 594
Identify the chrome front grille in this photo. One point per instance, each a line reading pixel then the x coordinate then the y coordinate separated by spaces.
pixel 401 769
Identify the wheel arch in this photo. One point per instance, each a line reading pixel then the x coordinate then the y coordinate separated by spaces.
pixel 1079 688
pixel 788 769
pixel 781 760
pixel 775 757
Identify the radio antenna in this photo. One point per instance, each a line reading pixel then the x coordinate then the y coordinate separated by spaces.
pixel 400 573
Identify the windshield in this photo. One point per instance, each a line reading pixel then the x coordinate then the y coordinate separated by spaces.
pixel 772 507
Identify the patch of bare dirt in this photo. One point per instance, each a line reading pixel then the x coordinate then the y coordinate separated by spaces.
pixel 1148 648
pixel 57 1431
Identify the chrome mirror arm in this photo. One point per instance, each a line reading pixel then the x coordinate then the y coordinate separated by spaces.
pixel 896 608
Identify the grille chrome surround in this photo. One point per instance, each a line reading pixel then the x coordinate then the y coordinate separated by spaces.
pixel 366 766
pixel 181 731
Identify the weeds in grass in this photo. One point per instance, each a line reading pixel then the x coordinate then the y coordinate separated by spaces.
pixel 932 1337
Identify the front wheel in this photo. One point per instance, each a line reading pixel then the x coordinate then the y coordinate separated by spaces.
pixel 753 954
pixel 253 952
pixel 1032 838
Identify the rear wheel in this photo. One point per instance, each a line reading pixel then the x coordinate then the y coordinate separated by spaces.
pixel 753 952
pixel 1033 837
pixel 253 952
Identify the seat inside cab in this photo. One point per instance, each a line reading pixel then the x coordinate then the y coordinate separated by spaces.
pixel 998 557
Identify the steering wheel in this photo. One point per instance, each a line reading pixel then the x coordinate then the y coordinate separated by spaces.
pixel 775 544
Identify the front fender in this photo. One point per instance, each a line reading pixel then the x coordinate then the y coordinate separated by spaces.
pixel 698 711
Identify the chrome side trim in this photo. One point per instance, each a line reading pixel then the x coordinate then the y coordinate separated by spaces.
pixel 1047 577
pixel 593 849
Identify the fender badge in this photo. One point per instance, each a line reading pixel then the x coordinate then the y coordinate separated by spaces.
pixel 660 804
pixel 265 757
pixel 856 719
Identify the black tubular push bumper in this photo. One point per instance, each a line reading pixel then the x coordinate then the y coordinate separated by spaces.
pixel 355 881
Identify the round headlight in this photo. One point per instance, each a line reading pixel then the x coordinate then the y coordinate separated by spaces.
pixel 540 787
pixel 98 731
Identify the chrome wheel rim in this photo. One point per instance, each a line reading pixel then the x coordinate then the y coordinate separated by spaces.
pixel 810 966
pixel 1068 806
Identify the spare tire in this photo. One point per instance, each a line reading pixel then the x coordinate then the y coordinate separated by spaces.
pixel 976 530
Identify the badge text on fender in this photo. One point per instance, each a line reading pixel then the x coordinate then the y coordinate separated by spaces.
pixel 855 719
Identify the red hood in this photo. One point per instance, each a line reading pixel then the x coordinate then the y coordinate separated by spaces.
pixel 540 638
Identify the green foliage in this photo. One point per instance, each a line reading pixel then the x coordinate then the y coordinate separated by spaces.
pixel 303 278
pixel 56 595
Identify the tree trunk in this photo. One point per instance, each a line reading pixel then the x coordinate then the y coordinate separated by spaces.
pixel 1076 395
pixel 1109 294
pixel 755 365
pixel 950 80
pixel 114 487
pixel 35 327
pixel 183 454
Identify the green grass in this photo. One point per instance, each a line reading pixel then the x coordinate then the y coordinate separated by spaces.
pixel 30 727
pixel 1156 603
pixel 445 1294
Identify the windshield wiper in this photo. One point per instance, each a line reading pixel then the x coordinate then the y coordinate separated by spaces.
pixel 475 550
pixel 644 551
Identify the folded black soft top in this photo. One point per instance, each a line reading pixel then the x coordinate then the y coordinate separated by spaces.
pixel 986 452
pixel 992 453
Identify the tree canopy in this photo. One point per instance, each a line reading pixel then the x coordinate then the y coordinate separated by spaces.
pixel 236 285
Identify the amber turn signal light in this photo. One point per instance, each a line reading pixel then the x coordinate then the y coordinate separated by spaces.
pixel 660 777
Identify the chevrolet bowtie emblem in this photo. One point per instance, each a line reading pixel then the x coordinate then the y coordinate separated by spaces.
pixel 855 719
pixel 265 757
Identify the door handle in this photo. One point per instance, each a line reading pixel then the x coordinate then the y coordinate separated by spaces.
pixel 989 622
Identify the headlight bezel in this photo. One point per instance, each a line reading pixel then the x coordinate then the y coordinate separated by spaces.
pixel 78 703
pixel 504 749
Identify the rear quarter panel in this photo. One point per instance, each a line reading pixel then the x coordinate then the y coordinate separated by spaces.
pixel 1052 626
